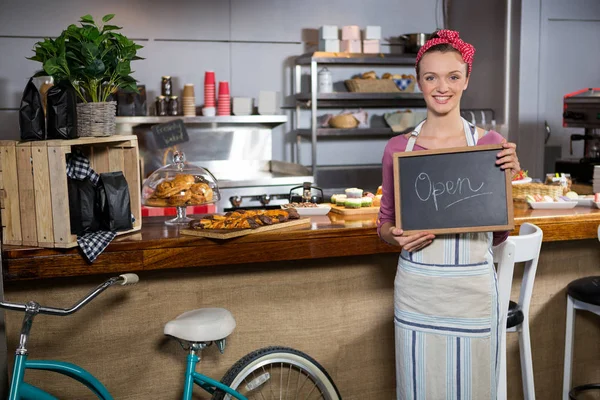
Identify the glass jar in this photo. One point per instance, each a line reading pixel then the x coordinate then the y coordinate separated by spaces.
pixel 166 86
pixel 161 106
pixel 180 184
pixel 173 108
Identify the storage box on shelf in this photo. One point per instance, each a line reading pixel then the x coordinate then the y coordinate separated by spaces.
pixel 382 98
pixel 34 198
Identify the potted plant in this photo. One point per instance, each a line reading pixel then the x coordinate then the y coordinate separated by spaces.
pixel 96 61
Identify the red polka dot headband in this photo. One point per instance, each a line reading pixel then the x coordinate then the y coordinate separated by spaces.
pixel 452 38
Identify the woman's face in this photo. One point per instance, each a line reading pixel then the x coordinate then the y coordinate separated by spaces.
pixel 443 77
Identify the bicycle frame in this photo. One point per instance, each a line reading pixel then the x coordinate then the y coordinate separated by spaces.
pixel 20 390
pixel 206 383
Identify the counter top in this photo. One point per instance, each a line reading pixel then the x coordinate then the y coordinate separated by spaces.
pixel 158 246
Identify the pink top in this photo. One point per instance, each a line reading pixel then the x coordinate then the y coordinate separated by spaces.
pixel 387 211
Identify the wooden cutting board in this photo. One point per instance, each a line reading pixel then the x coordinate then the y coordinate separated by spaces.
pixel 353 211
pixel 232 233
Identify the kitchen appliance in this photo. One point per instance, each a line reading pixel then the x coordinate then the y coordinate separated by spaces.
pixel 307 194
pixel 581 109
pixel 414 41
pixel 256 184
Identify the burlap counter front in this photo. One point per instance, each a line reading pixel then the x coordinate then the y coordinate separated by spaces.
pixel 338 310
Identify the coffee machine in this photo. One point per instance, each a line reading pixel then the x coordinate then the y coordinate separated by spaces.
pixel 581 109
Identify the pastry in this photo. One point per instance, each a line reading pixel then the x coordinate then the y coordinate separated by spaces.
pixel 242 219
pixel 354 193
pixel 379 190
pixel 156 202
pixel 369 75
pixel 387 75
pixel 179 199
pixel 377 200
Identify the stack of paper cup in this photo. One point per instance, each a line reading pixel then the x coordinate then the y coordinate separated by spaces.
pixel 188 100
pixel 224 104
pixel 209 94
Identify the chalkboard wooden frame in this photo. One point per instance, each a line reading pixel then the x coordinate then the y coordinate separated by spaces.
pixel 492 150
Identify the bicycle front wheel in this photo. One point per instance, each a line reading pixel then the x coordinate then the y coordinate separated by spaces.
pixel 279 373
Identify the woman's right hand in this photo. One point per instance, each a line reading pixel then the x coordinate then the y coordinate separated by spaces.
pixel 413 242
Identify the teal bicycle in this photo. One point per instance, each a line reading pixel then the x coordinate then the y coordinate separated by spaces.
pixel 272 372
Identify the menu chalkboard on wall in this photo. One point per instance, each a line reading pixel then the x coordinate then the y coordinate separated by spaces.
pixel 170 133
pixel 452 191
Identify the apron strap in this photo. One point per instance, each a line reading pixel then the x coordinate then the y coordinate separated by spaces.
pixel 471 135
pixel 413 137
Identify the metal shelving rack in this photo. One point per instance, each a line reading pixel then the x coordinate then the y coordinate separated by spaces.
pixel 314 100
pixel 126 124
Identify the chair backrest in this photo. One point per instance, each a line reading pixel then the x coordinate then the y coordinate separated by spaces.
pixel 522 248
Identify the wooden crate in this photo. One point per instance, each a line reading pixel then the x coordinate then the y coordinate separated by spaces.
pixel 34 199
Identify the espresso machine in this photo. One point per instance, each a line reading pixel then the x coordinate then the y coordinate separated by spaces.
pixel 581 109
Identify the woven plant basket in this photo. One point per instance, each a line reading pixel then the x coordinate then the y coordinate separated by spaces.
pixel 96 119
pixel 520 191
pixel 372 85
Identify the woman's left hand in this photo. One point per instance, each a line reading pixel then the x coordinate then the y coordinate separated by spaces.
pixel 507 158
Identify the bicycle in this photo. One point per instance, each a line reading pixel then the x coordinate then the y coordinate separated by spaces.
pixel 273 371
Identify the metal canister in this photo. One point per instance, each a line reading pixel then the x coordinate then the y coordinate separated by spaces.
pixel 173 106
pixel 161 105
pixel 166 87
pixel 325 81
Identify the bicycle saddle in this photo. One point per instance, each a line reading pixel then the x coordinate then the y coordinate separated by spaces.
pixel 201 325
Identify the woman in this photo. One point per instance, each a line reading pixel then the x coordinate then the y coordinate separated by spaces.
pixel 446 319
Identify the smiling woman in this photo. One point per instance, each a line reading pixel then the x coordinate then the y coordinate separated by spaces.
pixel 446 346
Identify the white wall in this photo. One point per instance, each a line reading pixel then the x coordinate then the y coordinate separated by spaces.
pixel 248 42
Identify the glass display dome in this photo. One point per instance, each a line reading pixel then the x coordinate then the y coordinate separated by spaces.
pixel 180 185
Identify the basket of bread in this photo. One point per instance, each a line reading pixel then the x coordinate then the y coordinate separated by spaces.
pixel 523 186
pixel 368 82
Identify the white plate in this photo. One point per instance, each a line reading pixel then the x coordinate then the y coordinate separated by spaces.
pixel 320 209
pixel 585 202
pixel 540 205
pixel 522 181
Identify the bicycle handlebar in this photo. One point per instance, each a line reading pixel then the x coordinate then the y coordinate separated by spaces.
pixel 125 279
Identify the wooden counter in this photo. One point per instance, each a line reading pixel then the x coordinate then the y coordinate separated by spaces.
pixel 326 289
pixel 158 246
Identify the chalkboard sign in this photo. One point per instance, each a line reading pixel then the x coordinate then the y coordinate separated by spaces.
pixel 452 191
pixel 170 133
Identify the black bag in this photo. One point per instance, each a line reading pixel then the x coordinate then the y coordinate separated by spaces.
pixel 32 121
pixel 115 202
pixel 62 112
pixel 83 206
pixel 131 103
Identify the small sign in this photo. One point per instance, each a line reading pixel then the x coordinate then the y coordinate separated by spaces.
pixel 452 191
pixel 170 133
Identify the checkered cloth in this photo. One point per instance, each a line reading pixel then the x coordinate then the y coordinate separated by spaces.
pixel 92 244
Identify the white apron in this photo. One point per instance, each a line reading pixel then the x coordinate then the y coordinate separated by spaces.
pixel 446 315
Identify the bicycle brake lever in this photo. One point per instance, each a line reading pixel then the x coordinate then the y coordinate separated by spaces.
pixel 129 279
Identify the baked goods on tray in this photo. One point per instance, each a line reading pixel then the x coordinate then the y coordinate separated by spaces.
pixel 245 219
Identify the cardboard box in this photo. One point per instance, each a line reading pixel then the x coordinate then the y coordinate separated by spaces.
pixel 373 32
pixel 34 197
pixel 371 46
pixel 243 105
pixel 351 46
pixel 268 103
pixel 351 32
pixel 329 45
pixel 329 32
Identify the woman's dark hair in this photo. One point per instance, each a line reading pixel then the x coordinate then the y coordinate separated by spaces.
pixel 442 48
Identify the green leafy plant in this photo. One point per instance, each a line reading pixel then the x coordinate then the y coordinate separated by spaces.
pixel 94 59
